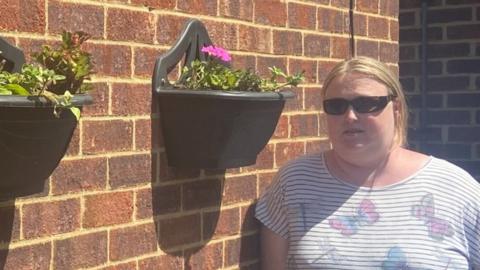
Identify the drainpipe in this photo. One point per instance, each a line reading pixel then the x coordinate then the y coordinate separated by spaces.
pixel 424 77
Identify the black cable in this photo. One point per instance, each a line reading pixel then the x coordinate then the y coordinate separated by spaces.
pixel 352 33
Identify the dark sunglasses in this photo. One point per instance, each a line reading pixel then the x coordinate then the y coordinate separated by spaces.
pixel 364 104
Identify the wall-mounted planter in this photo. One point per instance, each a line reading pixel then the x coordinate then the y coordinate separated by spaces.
pixel 32 142
pixel 32 139
pixel 211 129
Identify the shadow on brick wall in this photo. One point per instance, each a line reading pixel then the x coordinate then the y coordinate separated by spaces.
pixel 185 205
pixel 7 215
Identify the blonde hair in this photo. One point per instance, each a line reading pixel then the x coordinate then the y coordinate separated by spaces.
pixel 381 73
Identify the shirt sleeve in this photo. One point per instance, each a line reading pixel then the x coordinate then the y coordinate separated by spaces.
pixel 270 209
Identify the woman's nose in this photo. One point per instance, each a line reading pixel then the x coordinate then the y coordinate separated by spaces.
pixel 351 114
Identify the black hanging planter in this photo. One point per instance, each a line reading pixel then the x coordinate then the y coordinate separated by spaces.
pixel 32 139
pixel 32 142
pixel 211 129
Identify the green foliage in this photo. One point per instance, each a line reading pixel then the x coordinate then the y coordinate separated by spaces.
pixel 213 75
pixel 69 61
pixel 58 74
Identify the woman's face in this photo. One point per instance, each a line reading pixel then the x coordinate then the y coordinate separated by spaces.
pixel 360 138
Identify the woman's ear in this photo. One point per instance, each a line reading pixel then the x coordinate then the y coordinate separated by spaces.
pixel 396 106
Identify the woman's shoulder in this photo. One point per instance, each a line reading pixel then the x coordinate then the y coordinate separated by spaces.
pixel 304 162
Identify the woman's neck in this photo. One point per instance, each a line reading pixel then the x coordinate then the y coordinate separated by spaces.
pixel 368 173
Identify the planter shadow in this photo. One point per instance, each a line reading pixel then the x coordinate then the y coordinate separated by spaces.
pixel 7 216
pixel 195 205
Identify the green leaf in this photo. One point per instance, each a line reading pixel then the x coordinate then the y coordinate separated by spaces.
pixel 76 112
pixel 17 89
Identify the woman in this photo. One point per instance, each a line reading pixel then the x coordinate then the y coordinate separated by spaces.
pixel 369 203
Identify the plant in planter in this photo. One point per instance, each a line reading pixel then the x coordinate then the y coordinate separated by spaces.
pixel 39 109
pixel 215 116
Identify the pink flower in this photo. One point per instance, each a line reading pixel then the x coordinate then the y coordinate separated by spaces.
pixel 217 52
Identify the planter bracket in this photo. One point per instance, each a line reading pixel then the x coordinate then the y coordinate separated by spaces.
pixel 193 37
pixel 13 56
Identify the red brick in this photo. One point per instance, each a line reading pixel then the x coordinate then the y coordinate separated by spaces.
pixel 10 224
pixel 122 266
pixel 263 12
pixel 378 27
pixel 241 250
pixel 164 200
pixel 100 98
pixel 223 34
pixel 248 220
pixel 340 47
pixel 132 241
pixel 179 231
pixel 26 258
pixel 296 103
pixel 23 15
pixel 309 67
pixel 140 25
pixel 161 262
pixel 285 152
pixel 154 4
pixel 302 16
pixel 339 3
pixel 313 100
pixel 108 209
pixel 367 48
pixel 143 134
pixel 131 99
pixel 281 130
pixel 324 68
pixel 239 9
pixel 370 6
pixel 81 251
pixel 389 7
pixel 263 63
pixel 264 182
pixel 389 52
pixel 330 20
pixel 169 28
pixel 49 218
pixel 75 17
pixel 222 223
pixel 208 257
pixel 264 159
pixel 243 62
pixel 74 145
pixel 316 46
pixel 167 174
pixel 201 194
pixel 204 7
pixel 98 136
pixel 303 125
pixel 9 11
pixel 287 42
pixel 130 170
pixel 317 146
pixel 30 46
pixel 359 25
pixel 254 39
pixel 145 60
pixel 240 189
pixel 70 175
pixel 394 34
pixel 111 60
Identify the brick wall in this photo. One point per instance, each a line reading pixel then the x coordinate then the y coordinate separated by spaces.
pixel 453 85
pixel 113 203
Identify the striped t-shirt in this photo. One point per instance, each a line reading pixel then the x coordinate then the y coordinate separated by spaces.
pixel 430 220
